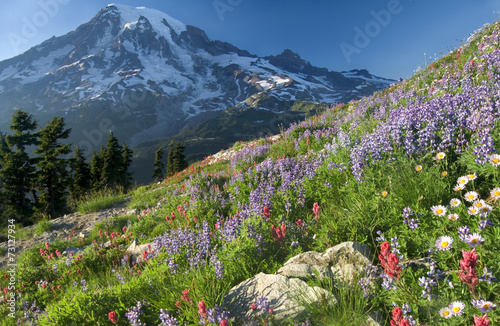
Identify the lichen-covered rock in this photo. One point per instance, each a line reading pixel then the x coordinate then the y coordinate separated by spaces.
pixel 287 296
pixel 341 262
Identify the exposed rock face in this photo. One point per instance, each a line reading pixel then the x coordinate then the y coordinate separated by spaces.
pixel 135 251
pixel 340 263
pixel 147 75
pixel 287 292
pixel 287 296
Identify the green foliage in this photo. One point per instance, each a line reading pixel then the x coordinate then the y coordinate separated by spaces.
pixel 98 201
pixel 18 169
pixel 158 165
pixel 112 163
pixel 52 175
pixel 80 175
pixel 96 167
pixel 176 159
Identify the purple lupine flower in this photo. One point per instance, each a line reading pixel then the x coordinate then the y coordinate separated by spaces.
pixel 427 284
pixel 133 315
pixel 463 232
pixel 487 276
pixel 166 319
pixel 367 282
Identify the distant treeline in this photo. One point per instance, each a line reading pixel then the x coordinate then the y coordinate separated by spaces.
pixel 48 183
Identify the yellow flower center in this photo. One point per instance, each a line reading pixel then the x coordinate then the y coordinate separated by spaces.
pixel 471 176
pixel 470 196
pixel 462 181
pixel 446 313
pixel 444 244
pixel 439 211
pixel 479 204
pixel 497 193
pixel 496 160
pixel 486 305
pixel 444 174
pixel 456 309
pixel 474 241
pixel 473 210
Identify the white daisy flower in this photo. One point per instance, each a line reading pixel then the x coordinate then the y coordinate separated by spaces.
pixel 463 180
pixel 495 159
pixel 486 209
pixel 495 193
pixel 479 203
pixel 445 312
pixel 453 217
pixel 459 187
pixel 439 210
pixel 444 242
pixel 457 308
pixel 470 196
pixel 472 176
pixel 473 239
pixel 472 210
pixel 440 155
pixel 455 202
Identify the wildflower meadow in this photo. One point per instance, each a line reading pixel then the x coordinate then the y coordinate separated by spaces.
pixel 412 171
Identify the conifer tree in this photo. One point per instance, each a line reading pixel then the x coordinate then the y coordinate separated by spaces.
pixel 52 175
pixel 180 162
pixel 126 181
pixel 80 175
pixel 112 163
pixel 158 165
pixel 170 160
pixel 18 168
pixel 96 165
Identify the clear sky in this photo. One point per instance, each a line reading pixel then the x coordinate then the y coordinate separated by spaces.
pixel 387 37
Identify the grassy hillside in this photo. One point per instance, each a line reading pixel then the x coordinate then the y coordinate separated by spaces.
pixel 411 171
pixel 238 123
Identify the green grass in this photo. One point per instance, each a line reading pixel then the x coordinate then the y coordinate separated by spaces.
pixel 99 201
pixel 214 203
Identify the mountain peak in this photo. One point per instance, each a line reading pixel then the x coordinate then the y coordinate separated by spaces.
pixel 130 16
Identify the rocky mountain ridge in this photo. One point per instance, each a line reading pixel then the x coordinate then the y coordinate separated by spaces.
pixel 145 75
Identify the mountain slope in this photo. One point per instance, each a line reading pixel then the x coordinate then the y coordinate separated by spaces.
pixel 146 75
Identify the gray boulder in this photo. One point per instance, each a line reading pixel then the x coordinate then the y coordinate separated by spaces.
pixel 135 251
pixel 339 263
pixel 288 297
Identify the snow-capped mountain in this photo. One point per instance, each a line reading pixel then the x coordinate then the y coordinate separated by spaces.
pixel 146 75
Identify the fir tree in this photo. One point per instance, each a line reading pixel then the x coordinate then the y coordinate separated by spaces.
pixel 126 181
pixel 112 163
pixel 80 175
pixel 170 160
pixel 158 165
pixel 17 173
pixel 52 175
pixel 180 162
pixel 96 165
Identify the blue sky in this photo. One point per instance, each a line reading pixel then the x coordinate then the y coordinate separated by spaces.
pixel 387 37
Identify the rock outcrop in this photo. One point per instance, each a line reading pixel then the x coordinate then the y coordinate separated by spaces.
pixel 287 292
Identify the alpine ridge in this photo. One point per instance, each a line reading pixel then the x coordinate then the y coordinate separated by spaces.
pixel 146 75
